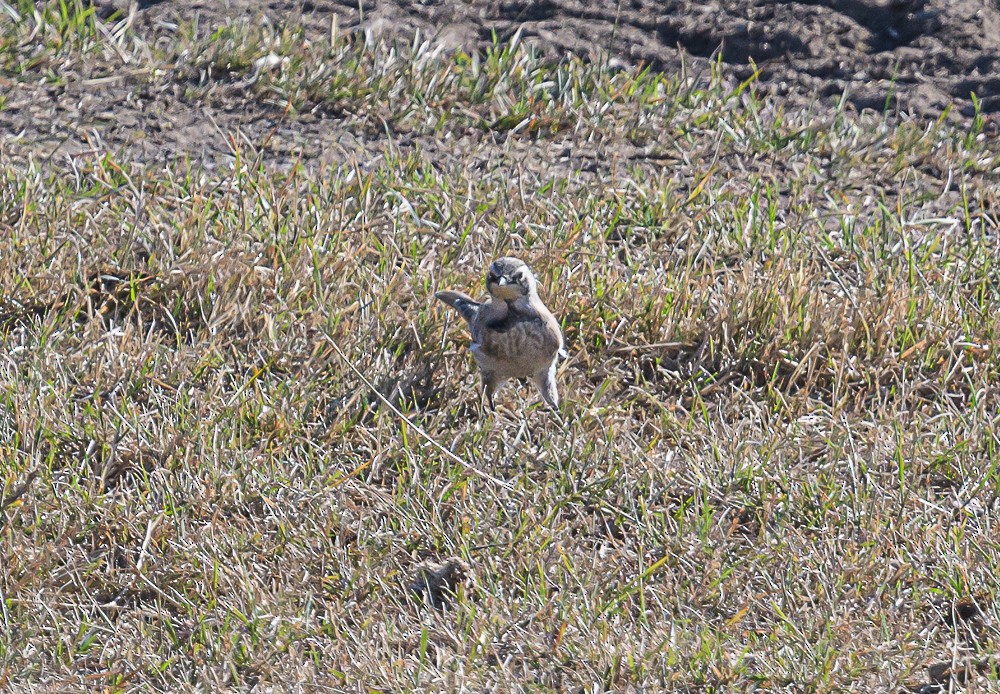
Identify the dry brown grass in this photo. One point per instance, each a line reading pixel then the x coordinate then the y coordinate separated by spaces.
pixel 778 461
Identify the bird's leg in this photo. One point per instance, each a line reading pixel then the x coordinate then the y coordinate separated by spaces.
pixel 489 387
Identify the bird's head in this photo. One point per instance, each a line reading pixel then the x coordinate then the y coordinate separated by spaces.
pixel 509 279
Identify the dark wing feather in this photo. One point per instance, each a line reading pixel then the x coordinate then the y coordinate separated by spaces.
pixel 467 307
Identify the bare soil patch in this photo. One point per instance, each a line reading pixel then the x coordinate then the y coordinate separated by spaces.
pixel 909 58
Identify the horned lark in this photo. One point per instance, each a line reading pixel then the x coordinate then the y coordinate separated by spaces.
pixel 513 334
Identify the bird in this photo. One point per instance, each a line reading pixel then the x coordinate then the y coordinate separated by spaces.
pixel 514 335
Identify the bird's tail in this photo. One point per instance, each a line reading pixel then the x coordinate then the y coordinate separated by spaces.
pixel 545 381
pixel 463 303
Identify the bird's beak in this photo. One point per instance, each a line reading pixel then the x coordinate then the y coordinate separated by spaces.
pixel 502 280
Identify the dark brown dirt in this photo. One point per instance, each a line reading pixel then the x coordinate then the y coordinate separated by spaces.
pixel 912 58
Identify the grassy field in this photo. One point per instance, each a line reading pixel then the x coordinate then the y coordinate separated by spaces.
pixel 236 429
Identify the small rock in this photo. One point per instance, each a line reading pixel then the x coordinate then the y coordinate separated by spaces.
pixel 437 583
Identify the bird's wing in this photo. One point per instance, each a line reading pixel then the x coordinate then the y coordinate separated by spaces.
pixel 467 307
pixel 552 328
